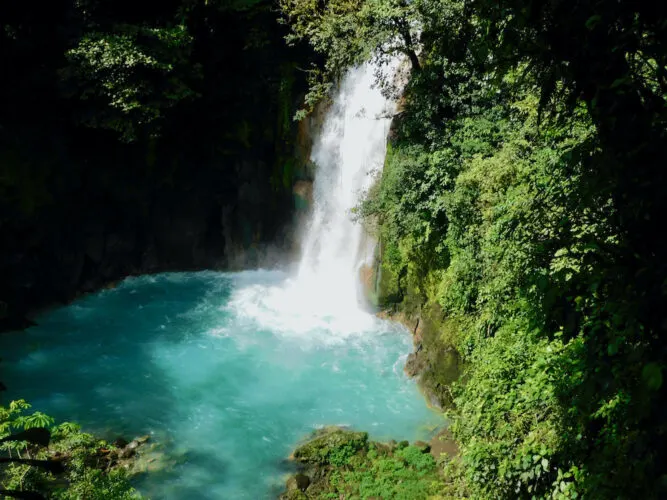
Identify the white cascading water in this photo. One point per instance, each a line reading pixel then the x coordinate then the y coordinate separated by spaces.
pixel 349 149
pixel 325 293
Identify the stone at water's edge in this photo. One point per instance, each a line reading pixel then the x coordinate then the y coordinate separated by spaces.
pixel 318 457
pixel 330 445
pixel 330 450
pixel 122 455
pixel 298 482
pixel 435 363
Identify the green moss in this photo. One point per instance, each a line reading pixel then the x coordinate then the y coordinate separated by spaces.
pixel 441 361
pixel 333 446
pixel 375 470
pixel 387 279
pixel 294 495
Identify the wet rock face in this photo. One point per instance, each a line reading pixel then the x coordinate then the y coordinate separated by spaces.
pixel 81 244
pixel 414 365
pixel 435 363
pixel 303 194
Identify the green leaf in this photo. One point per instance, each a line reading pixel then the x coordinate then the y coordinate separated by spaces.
pixel 612 348
pixel 652 376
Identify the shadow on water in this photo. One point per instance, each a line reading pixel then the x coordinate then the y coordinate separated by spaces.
pixel 98 352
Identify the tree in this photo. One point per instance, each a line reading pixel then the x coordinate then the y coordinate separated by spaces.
pixel 348 32
pixel 130 75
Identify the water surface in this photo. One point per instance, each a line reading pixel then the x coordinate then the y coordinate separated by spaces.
pixel 228 371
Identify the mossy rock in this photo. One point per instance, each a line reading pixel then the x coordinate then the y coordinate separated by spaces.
pixel 298 482
pixel 294 495
pixel 332 445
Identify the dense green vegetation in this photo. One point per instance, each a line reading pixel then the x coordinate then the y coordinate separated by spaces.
pixel 80 464
pixel 345 464
pixel 520 203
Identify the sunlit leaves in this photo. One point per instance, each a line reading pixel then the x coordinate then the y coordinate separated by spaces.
pixel 31 444
pixel 133 71
pixel 348 33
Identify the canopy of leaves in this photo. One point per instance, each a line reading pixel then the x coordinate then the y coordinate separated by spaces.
pixel 347 33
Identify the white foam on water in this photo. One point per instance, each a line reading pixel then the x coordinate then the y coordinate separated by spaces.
pixel 324 298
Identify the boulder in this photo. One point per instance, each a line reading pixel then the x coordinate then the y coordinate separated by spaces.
pixel 127 452
pixel 331 445
pixel 130 449
pixel 298 482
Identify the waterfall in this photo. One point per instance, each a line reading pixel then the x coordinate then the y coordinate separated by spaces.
pixel 349 149
pixel 325 293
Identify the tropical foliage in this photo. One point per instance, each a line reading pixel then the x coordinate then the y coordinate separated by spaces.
pixel 75 459
pixel 345 464
pixel 132 81
pixel 348 33
pixel 519 200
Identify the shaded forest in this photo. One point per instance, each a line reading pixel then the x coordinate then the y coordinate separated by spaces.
pixel 138 138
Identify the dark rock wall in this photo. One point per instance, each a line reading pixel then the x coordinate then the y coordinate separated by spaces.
pixel 81 243
pixel 209 184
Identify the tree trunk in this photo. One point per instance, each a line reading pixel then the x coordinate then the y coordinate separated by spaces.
pixel 404 31
pixel 414 60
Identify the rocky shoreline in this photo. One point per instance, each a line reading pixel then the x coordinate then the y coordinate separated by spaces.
pixel 336 461
pixel 138 456
pixel 433 363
